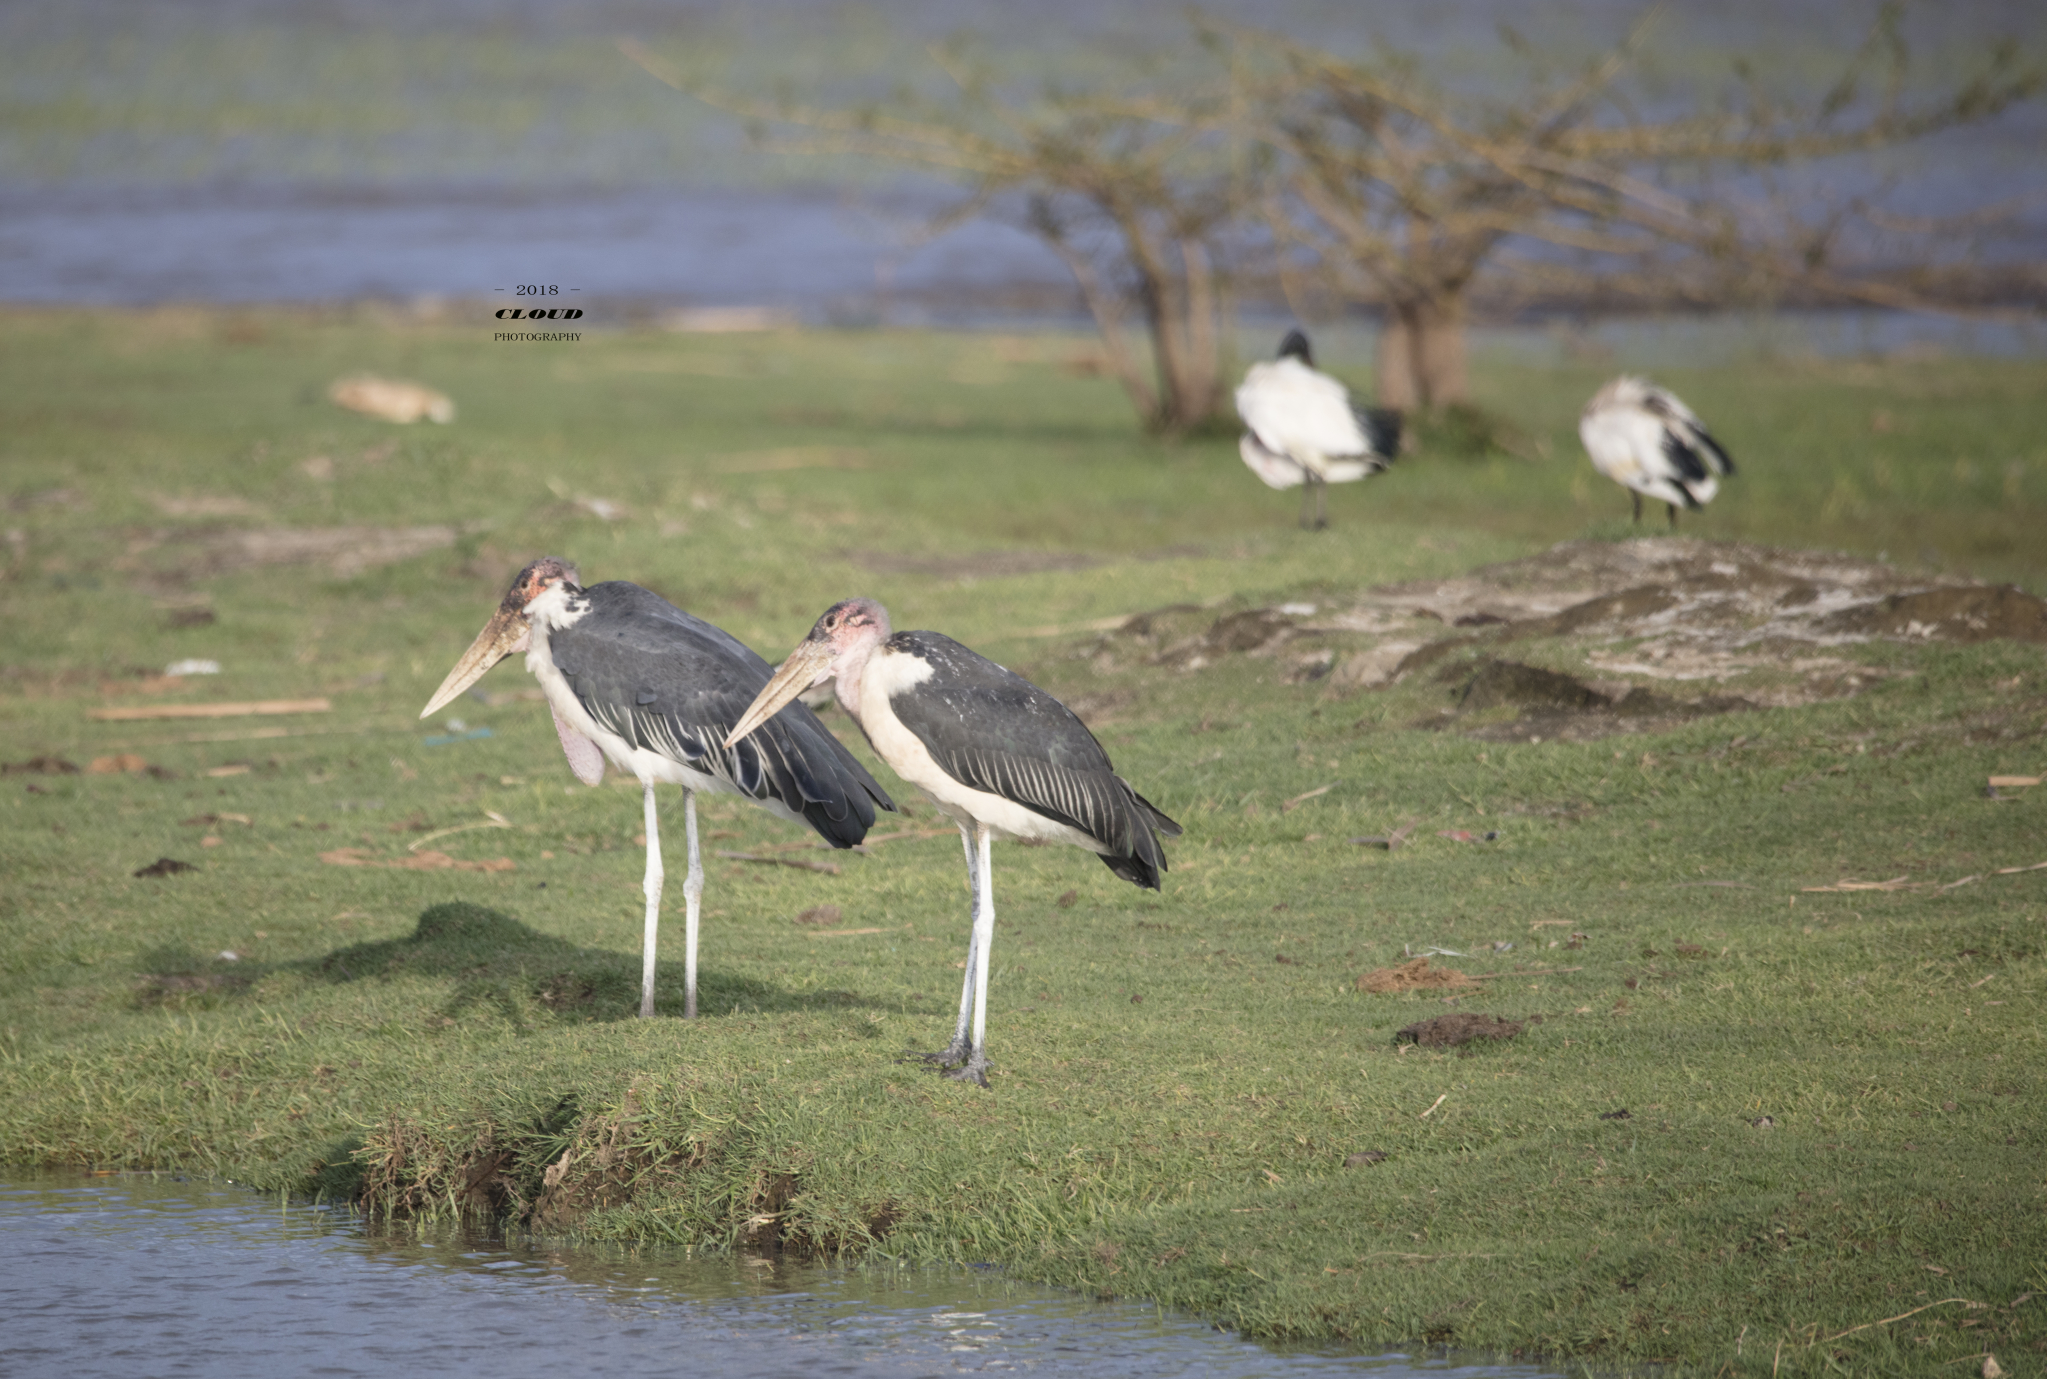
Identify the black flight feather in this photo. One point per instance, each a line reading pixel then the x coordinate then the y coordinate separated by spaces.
pixel 989 728
pixel 674 684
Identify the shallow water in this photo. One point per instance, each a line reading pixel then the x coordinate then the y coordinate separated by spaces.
pixel 153 1274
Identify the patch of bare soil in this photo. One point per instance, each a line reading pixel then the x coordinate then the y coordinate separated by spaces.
pixel 1412 976
pixel 178 555
pixel 988 565
pixel 1448 1031
pixel 1593 638
pixel 40 766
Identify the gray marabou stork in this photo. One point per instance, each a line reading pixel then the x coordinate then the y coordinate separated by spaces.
pixel 1643 438
pixel 634 679
pixel 997 755
pixel 1304 430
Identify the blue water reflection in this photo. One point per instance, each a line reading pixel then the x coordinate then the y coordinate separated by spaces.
pixel 141 1274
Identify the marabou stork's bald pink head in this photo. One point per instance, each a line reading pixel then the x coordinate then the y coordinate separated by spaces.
pixel 508 631
pixel 838 647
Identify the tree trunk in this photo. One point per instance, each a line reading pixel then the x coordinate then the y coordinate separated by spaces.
pixel 1421 362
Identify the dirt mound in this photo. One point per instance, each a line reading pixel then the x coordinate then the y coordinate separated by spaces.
pixel 1510 682
pixel 1554 706
pixel 172 556
pixel 1970 613
pixel 1609 637
pixel 40 766
pixel 1412 976
pixel 1448 1031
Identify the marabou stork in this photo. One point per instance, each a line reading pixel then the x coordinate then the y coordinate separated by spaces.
pixel 997 755
pixel 1304 429
pixel 1643 438
pixel 631 677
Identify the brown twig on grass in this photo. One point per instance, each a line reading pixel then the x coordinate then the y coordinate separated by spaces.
pixel 1901 1316
pixel 220 710
pixel 1393 839
pixel 1896 883
pixel 496 820
pixel 902 833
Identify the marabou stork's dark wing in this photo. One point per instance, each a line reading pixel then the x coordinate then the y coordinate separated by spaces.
pixel 674 684
pixel 991 729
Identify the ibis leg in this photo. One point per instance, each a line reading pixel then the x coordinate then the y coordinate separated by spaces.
pixel 1314 506
pixel 651 888
pixel 956 1052
pixel 1638 506
pixel 975 1069
pixel 692 905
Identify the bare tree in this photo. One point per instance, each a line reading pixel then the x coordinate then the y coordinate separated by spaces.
pixel 1139 196
pixel 1402 194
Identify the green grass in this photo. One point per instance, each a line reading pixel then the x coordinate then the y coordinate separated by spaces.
pixel 1172 1105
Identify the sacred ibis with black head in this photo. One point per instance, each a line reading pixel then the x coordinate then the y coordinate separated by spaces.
pixel 1643 438
pixel 1304 429
pixel 633 679
pixel 997 755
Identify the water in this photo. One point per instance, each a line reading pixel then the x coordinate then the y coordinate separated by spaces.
pixel 243 151
pixel 146 1274
pixel 827 255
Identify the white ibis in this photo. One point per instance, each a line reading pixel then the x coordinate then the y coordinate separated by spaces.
pixel 632 678
pixel 997 755
pixel 1643 438
pixel 1304 429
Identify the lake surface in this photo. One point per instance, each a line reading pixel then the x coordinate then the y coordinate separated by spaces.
pixel 154 1274
pixel 252 151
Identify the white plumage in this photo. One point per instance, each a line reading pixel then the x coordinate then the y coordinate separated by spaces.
pixel 1646 440
pixel 1303 428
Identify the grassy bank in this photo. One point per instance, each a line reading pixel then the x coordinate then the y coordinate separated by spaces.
pixel 1831 1097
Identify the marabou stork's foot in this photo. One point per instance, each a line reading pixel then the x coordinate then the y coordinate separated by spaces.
pixel 952 1055
pixel 974 1070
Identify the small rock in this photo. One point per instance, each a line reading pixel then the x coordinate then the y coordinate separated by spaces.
pixel 1368 1156
pixel 1764 1123
pixel 1621 1114
pixel 229 955
pixel 1065 901
pixel 1992 1369
pixel 165 866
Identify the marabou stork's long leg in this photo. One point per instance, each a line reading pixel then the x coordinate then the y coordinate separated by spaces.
pixel 1638 506
pixel 692 905
pixel 975 1069
pixel 1673 515
pixel 956 1052
pixel 651 888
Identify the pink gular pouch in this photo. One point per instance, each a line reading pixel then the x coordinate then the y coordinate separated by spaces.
pixel 585 759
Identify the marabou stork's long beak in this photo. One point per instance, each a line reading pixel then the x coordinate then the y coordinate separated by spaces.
pixel 807 664
pixel 504 635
